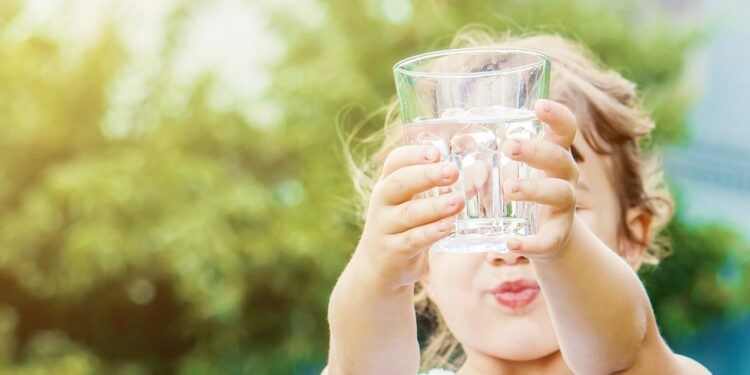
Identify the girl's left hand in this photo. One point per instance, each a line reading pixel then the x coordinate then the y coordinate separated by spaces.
pixel 555 190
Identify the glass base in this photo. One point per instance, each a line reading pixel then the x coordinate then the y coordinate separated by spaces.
pixel 473 244
pixel 482 235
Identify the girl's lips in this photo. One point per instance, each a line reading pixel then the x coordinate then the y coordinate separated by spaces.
pixel 516 294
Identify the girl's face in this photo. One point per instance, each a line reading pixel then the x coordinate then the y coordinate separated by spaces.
pixel 492 303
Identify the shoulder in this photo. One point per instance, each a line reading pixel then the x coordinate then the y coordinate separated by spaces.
pixel 658 358
pixel 690 366
pixel 671 364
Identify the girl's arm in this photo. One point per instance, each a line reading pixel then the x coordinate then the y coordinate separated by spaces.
pixel 599 308
pixel 371 311
pixel 601 312
pixel 373 327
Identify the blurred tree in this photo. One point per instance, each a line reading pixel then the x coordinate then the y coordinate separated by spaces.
pixel 172 236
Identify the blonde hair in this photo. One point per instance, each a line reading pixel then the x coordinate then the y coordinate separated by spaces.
pixel 611 119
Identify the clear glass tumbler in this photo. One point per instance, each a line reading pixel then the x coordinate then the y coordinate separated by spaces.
pixel 467 102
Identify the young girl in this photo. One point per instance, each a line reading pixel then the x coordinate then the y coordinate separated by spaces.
pixel 566 300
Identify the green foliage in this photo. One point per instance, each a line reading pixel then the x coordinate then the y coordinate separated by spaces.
pixel 705 279
pixel 196 240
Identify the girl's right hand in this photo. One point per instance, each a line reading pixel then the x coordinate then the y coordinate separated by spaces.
pixel 398 229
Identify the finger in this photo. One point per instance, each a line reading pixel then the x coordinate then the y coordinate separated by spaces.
pixel 401 185
pixel 409 155
pixel 560 121
pixel 418 212
pixel 547 240
pixel 544 155
pixel 420 238
pixel 548 191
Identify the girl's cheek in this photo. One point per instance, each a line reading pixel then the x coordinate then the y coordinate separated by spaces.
pixel 587 216
pixel 601 224
pixel 451 272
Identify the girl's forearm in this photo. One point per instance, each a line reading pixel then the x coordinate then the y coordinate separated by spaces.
pixel 598 305
pixel 373 328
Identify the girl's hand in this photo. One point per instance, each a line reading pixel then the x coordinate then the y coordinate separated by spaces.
pixel 555 189
pixel 398 229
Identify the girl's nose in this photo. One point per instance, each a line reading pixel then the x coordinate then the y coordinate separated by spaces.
pixel 496 258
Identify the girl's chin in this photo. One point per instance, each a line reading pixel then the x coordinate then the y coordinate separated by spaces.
pixel 529 354
pixel 523 337
pixel 523 349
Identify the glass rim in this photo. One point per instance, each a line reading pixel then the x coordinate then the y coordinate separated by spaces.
pixel 398 68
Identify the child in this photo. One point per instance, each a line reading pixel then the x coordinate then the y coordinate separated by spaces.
pixel 566 300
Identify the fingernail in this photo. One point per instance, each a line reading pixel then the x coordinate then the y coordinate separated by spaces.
pixel 446 171
pixel 515 186
pixel 431 154
pixel 546 105
pixel 516 148
pixel 451 199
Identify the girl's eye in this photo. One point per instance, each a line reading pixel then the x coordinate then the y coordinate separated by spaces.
pixel 579 208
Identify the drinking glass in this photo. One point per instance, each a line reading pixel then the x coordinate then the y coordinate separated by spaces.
pixel 467 102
